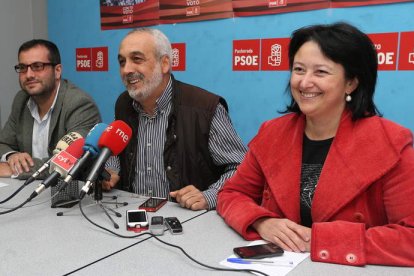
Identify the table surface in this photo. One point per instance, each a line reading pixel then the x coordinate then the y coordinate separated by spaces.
pixel 35 241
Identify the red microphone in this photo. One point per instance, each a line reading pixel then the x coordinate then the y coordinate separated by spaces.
pixel 61 164
pixel 65 160
pixel 113 141
pixel 63 144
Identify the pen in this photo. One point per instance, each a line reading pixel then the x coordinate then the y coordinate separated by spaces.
pixel 254 261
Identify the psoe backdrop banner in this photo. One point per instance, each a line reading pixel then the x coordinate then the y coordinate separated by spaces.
pixel 350 3
pixel 261 7
pixel 175 11
pixel 118 14
pixel 271 54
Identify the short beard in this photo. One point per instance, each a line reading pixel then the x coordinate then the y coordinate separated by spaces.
pixel 149 86
pixel 48 88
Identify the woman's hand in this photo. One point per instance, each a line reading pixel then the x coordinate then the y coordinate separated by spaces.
pixel 285 233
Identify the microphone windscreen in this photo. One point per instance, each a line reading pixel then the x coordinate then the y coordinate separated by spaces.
pixel 66 159
pixel 65 141
pixel 76 148
pixel 91 141
pixel 115 137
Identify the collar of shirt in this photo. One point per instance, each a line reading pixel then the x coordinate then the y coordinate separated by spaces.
pixel 161 103
pixel 31 104
pixel 40 135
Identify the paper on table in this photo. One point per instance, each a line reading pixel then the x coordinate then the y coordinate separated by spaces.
pixel 296 258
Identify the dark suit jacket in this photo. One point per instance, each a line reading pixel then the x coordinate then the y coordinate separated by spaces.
pixel 74 111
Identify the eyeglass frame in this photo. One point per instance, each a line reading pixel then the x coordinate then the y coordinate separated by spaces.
pixel 41 68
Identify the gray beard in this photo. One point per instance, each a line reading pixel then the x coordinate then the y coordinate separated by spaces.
pixel 144 92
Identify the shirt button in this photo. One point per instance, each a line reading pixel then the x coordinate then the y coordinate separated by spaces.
pixel 324 254
pixel 148 144
pixel 148 168
pixel 168 168
pixel 351 258
pixel 175 137
pixel 266 194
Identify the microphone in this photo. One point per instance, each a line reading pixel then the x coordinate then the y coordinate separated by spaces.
pixel 91 150
pixel 112 142
pixel 60 165
pixel 63 144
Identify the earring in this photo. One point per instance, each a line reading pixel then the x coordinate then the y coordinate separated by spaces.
pixel 348 98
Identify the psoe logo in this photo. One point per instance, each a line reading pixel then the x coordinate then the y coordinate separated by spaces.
pixel 275 58
pixel 277 3
pixel 175 57
pixel 178 59
pixel 246 55
pixel 128 14
pixel 92 59
pixel 192 11
pixel 411 58
pixel 83 59
pixel 127 19
pixel 406 51
pixel 128 10
pixel 386 45
pixel 99 59
pixel 274 54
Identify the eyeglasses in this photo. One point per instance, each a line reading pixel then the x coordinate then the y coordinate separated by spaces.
pixel 35 66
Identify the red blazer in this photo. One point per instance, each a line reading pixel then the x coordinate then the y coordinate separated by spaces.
pixel 363 206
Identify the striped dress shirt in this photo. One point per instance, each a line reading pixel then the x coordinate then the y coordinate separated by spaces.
pixel 225 146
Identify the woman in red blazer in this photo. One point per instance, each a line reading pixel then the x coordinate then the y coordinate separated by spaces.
pixel 332 177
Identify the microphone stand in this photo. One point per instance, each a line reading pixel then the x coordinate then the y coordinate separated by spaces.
pixel 98 201
pixel 98 196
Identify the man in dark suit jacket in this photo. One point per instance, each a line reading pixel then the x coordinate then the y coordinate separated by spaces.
pixel 46 109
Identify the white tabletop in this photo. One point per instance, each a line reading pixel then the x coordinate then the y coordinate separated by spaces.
pixel 35 241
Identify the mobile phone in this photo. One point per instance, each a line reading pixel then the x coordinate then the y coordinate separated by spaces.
pixel 173 225
pixel 153 204
pixel 136 218
pixel 258 251
pixel 157 225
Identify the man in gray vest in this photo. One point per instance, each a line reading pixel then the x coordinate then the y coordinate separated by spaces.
pixel 47 108
pixel 183 145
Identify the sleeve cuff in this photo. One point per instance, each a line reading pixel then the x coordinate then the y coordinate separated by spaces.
pixel 4 156
pixel 211 198
pixel 338 242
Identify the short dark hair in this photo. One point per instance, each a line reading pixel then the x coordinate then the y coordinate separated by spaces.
pixel 346 45
pixel 54 55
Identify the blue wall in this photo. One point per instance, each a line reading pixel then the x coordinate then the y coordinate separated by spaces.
pixel 253 97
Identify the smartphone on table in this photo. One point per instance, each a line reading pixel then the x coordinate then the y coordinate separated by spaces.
pixel 136 218
pixel 156 226
pixel 153 204
pixel 258 251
